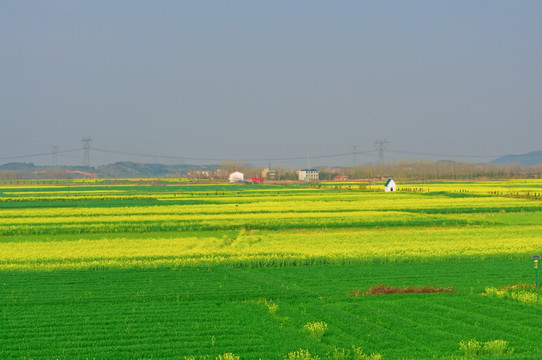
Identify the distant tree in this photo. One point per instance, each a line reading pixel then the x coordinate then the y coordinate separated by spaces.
pixel 288 175
pixel 327 175
pixel 9 175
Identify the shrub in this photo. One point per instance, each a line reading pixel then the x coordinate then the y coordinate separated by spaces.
pixel 496 347
pixel 474 348
pixel 471 348
pixel 356 354
pixel 301 355
pixel 227 356
pixel 316 329
pixel 521 293
pixel 359 355
pixel 340 354
pixel 272 307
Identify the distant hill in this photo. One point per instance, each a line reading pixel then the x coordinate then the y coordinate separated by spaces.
pixel 128 169
pixel 31 171
pixel 21 167
pixel 529 159
pixel 117 170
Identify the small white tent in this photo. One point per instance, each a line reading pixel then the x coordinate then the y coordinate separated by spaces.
pixel 236 177
pixel 390 185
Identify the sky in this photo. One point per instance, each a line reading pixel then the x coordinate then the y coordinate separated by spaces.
pixel 199 82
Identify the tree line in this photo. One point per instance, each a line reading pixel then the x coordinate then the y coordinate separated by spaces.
pixel 403 169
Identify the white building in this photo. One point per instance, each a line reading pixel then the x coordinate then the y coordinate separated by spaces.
pixel 236 177
pixel 390 185
pixel 309 175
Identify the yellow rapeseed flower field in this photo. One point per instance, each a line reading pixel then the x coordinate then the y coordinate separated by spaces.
pixel 263 226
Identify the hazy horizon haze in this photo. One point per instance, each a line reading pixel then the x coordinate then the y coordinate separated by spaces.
pixel 269 80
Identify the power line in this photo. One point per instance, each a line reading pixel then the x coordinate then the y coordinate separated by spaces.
pixel 223 159
pixel 36 155
pixel 146 154
pixel 443 155
pixel 343 154
pixel 71 156
pixel 86 142
pixel 379 149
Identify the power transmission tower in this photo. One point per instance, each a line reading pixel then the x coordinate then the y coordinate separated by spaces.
pixel 54 151
pixel 86 147
pixel 380 146
pixel 354 150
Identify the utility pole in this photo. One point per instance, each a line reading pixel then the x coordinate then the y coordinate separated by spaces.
pixel 380 146
pixel 86 147
pixel 309 161
pixel 54 151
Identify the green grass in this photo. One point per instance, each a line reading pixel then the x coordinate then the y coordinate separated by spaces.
pixel 164 313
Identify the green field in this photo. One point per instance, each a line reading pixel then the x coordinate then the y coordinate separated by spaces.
pixel 227 271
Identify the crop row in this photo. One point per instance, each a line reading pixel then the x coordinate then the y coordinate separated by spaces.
pixel 277 248
pixel 126 224
pixel 413 203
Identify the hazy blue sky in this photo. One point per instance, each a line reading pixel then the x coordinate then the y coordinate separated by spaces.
pixel 269 79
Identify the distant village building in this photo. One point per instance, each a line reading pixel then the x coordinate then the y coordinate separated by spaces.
pixel 390 186
pixel 256 180
pixel 197 174
pixel 236 177
pixel 309 175
pixel 269 174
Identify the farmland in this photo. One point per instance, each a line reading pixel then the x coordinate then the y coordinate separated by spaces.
pixel 136 271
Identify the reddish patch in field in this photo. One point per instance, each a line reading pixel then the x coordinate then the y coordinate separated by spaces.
pixel 387 289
